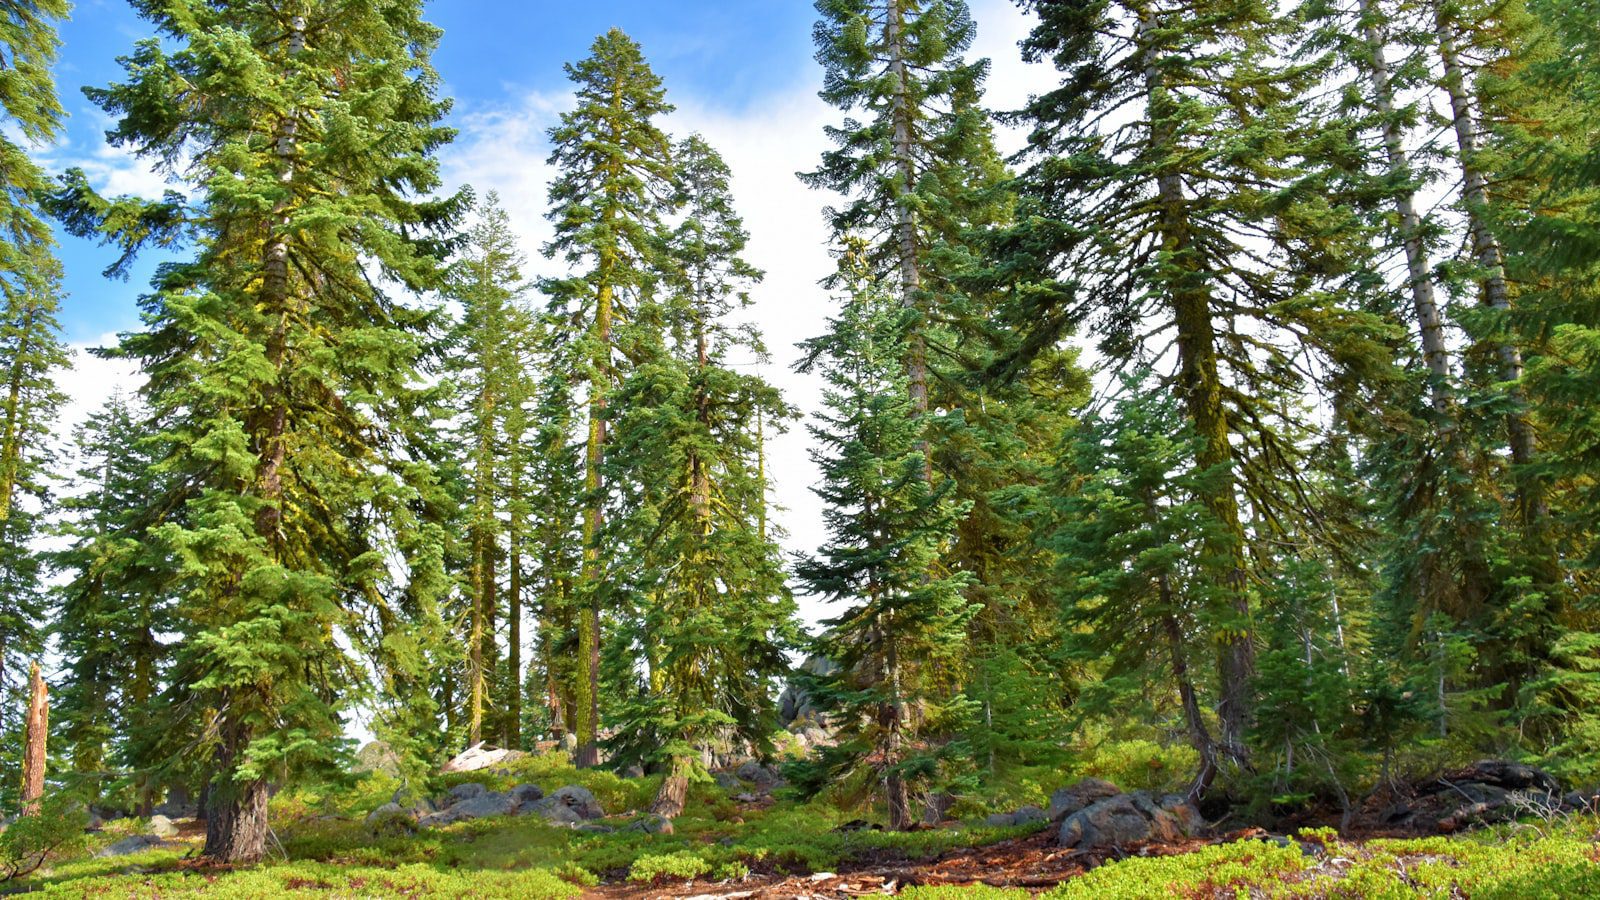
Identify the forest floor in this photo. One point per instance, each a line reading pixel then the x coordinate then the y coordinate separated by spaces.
pixel 722 849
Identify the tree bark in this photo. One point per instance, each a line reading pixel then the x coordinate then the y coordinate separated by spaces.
pixel 1490 259
pixel 1424 301
pixel 674 793
pixel 905 228
pixel 513 720
pixel 35 730
pixel 236 822
pixel 587 714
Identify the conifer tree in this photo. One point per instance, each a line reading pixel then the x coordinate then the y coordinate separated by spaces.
pixel 282 370
pixel 607 203
pixel 913 171
pixel 29 344
pixel 490 381
pixel 897 642
pixel 1195 235
pixel 715 615
pixel 30 109
pixel 112 612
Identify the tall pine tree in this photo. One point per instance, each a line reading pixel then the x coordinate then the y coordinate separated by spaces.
pixel 607 203
pixel 715 614
pixel 283 373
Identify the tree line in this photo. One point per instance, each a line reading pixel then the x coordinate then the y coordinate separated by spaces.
pixel 1250 408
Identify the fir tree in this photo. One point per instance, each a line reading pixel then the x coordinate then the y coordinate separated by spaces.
pixel 115 608
pixel 490 383
pixel 896 643
pixel 615 183
pixel 715 613
pixel 29 345
pixel 283 375
pixel 1167 235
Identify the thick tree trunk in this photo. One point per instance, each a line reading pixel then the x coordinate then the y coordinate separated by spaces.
pixel 1200 384
pixel 1424 301
pixel 236 822
pixel 512 737
pixel 674 793
pixel 35 732
pixel 896 793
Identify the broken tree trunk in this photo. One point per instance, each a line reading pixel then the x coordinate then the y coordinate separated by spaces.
pixel 35 730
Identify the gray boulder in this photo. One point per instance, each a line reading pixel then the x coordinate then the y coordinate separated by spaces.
pixel 594 828
pixel 1128 819
pixel 376 756
pixel 553 812
pixel 128 846
pixel 527 793
pixel 1001 820
pixel 580 801
pixel 161 827
pixel 569 743
pixel 467 791
pixel 1082 795
pixel 392 819
pixel 1030 815
pixel 651 824
pixel 483 806
pixel 728 781
pixel 759 775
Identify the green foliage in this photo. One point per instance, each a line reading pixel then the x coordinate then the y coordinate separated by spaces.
pixel 32 841
pixel 284 380
pixel 653 869
pixel 897 642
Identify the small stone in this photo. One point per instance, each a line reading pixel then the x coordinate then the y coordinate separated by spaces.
pixel 1030 815
pixel 162 827
pixel 652 824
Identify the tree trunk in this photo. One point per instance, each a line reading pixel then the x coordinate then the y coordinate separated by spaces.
pixel 236 822
pixel 1490 259
pixel 1430 323
pixel 11 441
pixel 897 794
pixel 35 731
pixel 1199 382
pixel 513 720
pixel 674 793
pixel 587 713
pixel 905 228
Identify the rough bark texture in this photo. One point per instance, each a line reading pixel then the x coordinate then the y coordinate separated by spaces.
pixel 236 823
pixel 903 114
pixel 36 730
pixel 674 793
pixel 587 714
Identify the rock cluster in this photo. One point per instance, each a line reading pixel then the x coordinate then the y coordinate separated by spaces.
pixel 1094 815
pixel 1485 792
pixel 570 806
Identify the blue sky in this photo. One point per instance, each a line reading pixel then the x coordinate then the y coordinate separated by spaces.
pixel 733 52
pixel 740 72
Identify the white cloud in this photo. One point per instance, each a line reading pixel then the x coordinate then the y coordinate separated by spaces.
pixel 764 143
